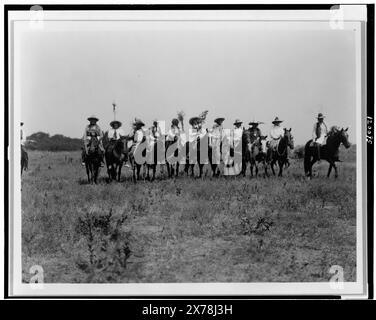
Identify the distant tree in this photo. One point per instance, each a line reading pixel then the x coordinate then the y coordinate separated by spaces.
pixel 43 141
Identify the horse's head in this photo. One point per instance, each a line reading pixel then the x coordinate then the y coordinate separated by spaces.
pixel 93 144
pixel 339 136
pixel 345 138
pixel 263 144
pixel 289 138
pixel 122 144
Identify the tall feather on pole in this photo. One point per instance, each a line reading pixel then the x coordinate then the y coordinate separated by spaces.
pixel 114 109
pixel 181 115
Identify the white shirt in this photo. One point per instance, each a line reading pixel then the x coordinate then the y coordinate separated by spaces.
pixel 276 132
pixel 196 133
pixel 23 136
pixel 115 134
pixel 172 133
pixel 238 133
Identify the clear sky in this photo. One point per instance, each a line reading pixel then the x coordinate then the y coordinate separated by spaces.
pixel 154 72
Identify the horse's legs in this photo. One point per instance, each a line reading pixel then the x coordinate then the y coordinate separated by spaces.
pixel 168 169
pixel 177 169
pixel 201 167
pixel 138 171
pixel 119 171
pixel 330 169
pixel 272 166
pixel 265 168
pixel 280 164
pixel 256 168
pixel 88 173
pixel 154 170
pixel 335 170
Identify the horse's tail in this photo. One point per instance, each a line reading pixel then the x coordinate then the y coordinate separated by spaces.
pixel 307 157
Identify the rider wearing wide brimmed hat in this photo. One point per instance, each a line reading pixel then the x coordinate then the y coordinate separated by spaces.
pixel 276 132
pixel 319 132
pixel 92 130
pixel 253 129
pixel 115 132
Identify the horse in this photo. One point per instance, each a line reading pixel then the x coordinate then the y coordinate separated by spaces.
pixel 328 151
pixel 116 154
pixel 93 159
pixel 254 152
pixel 24 160
pixel 257 154
pixel 280 154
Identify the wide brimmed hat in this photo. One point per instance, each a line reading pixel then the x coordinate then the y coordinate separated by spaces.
pixel 112 123
pixel 276 120
pixel 237 121
pixel 320 116
pixel 194 120
pixel 138 122
pixel 218 120
pixel 255 122
pixel 93 118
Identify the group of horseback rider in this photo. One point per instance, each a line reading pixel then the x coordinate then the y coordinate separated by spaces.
pixel 175 131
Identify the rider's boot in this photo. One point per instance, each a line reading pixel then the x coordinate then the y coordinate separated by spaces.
pixel 318 154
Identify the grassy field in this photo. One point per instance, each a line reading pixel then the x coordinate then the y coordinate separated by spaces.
pixel 187 230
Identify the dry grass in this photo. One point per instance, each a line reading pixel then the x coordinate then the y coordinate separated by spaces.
pixel 186 230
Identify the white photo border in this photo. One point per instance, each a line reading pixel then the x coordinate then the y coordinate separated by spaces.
pixel 19 21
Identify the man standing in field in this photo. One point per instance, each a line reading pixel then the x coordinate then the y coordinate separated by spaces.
pixel 92 129
pixel 319 133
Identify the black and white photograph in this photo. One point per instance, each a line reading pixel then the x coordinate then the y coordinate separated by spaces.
pixel 188 152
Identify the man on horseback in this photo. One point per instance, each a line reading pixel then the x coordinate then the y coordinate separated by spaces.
pixel 254 130
pixel 115 132
pixel 137 134
pixel 319 133
pixel 276 133
pixel 92 130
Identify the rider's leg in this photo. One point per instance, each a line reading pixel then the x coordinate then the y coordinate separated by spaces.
pixel 83 154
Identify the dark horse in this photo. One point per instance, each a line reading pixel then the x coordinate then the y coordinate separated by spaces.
pixel 116 154
pixel 24 160
pixel 254 152
pixel 328 152
pixel 280 154
pixel 93 159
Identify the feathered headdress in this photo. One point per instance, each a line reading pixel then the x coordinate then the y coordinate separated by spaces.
pixel 203 115
pixel 181 115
